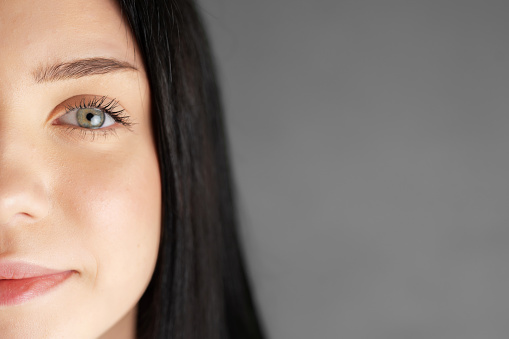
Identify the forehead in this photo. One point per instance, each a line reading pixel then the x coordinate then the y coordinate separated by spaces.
pixel 34 32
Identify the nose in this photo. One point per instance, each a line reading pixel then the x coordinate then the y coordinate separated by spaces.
pixel 23 195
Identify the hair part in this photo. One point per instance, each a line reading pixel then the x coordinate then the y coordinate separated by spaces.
pixel 199 288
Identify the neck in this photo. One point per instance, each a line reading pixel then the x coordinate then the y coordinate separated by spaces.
pixel 125 328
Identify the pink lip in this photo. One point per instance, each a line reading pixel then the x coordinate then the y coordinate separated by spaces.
pixel 20 282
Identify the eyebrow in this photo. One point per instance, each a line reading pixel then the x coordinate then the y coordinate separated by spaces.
pixel 80 68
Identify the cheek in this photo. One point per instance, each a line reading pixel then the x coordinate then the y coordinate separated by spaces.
pixel 113 201
pixel 121 214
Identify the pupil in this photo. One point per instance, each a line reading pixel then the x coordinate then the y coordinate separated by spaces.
pixel 90 116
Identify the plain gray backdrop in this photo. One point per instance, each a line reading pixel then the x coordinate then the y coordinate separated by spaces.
pixel 371 151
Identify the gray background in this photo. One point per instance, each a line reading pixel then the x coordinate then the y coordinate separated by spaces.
pixel 370 143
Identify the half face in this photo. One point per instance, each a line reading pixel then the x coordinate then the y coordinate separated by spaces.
pixel 79 179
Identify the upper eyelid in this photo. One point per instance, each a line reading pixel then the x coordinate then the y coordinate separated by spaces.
pixel 97 102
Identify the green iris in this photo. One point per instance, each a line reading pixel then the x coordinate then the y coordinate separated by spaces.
pixel 90 117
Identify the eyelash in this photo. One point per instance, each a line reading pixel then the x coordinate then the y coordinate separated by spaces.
pixel 106 105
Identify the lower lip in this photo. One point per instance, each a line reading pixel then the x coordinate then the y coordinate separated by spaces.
pixel 18 291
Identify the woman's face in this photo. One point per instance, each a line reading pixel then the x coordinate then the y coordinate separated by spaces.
pixel 79 178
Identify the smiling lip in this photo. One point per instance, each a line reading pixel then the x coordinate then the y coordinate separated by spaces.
pixel 20 282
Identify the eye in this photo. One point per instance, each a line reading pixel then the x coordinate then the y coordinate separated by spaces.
pixel 92 114
pixel 90 118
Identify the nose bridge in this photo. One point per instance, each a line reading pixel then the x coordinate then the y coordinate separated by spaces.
pixel 23 190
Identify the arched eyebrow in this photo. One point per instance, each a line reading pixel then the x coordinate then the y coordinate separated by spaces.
pixel 80 68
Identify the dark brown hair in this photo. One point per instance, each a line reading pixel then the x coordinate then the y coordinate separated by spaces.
pixel 199 289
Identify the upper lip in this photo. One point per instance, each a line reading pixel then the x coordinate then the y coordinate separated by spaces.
pixel 23 270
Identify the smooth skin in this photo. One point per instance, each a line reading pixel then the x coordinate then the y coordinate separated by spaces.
pixel 72 198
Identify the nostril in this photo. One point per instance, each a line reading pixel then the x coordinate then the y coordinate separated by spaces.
pixel 17 219
pixel 22 202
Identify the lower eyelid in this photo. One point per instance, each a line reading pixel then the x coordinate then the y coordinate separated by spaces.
pixel 83 134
